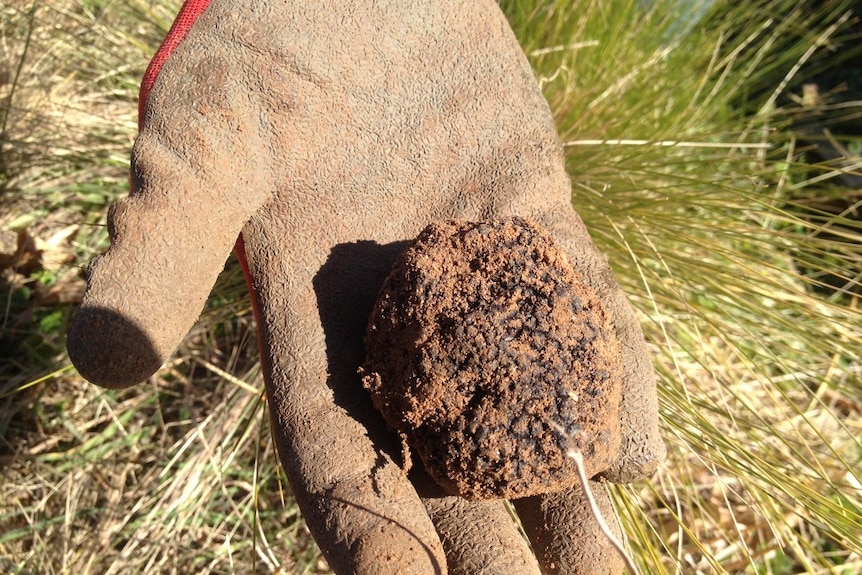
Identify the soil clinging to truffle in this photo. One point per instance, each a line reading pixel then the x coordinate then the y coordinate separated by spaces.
pixel 494 360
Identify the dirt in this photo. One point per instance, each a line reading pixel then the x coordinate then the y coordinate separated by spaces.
pixel 493 359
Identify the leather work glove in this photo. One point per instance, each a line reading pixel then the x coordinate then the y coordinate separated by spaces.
pixel 323 135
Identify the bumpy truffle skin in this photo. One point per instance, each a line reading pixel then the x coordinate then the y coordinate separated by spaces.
pixel 494 360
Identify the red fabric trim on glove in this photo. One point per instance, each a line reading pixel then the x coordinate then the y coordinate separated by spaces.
pixel 182 24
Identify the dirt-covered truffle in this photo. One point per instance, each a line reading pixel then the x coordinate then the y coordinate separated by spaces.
pixel 493 359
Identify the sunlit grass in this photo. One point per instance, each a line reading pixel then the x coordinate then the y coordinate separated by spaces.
pixel 719 249
pixel 688 174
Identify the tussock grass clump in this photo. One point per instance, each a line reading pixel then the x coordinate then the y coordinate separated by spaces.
pixel 694 164
pixel 687 171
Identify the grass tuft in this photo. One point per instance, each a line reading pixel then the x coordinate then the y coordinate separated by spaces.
pixel 747 282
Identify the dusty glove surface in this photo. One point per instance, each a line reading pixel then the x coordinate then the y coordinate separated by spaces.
pixel 327 135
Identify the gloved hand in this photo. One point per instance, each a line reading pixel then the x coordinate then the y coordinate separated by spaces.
pixel 323 135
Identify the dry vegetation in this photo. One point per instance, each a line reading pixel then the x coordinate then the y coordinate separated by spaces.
pixel 740 248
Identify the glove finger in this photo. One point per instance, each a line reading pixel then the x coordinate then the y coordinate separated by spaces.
pixel 199 170
pixel 642 448
pixel 479 537
pixel 565 534
pixel 169 241
pixel 342 463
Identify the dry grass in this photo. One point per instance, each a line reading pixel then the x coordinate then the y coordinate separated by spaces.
pixel 747 283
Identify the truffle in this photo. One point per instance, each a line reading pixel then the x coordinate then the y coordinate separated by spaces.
pixel 493 360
